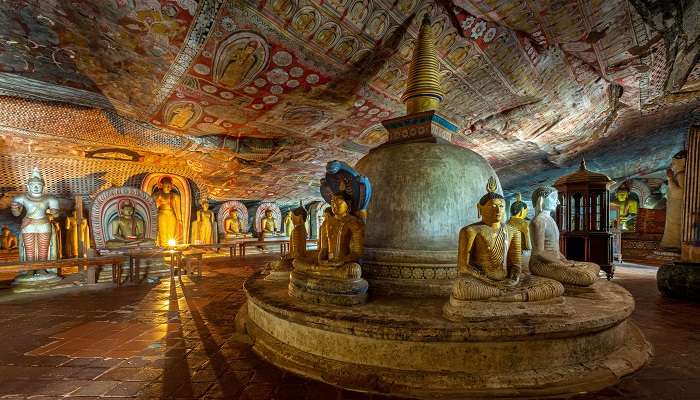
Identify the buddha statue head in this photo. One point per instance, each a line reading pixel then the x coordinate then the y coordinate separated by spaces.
pixel 204 204
pixel 678 162
pixel 35 184
pixel 6 231
pixel 519 208
pixel 340 204
pixel 622 193
pixel 545 198
pixel 492 205
pixel 166 184
pixel 126 209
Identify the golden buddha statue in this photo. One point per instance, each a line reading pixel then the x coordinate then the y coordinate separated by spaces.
pixel 489 260
pixel 340 244
pixel 127 229
pixel 297 245
pixel 203 225
pixel 288 224
pixel 546 259
pixel 268 223
pixel 169 218
pixel 629 206
pixel 518 220
pixel 9 240
pixel 73 233
pixel 232 224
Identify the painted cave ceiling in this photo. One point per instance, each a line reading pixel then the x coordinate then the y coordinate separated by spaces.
pixel 250 99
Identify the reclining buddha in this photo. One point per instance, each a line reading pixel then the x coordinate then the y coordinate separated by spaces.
pixel 546 259
pixel 489 260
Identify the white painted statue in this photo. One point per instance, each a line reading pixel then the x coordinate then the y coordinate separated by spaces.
pixel 674 202
pixel 546 259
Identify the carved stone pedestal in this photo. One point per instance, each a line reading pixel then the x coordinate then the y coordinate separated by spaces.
pixel 31 282
pixel 405 347
pixel 314 289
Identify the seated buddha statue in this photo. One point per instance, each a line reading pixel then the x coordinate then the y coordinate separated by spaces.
pixel 627 217
pixel 489 260
pixel 127 229
pixel 518 220
pixel 9 240
pixel 340 244
pixel 546 259
pixel 268 223
pixel 232 225
pixel 297 245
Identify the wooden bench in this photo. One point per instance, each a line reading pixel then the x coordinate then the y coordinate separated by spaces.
pixel 231 246
pixel 89 263
pixel 191 260
pixel 284 244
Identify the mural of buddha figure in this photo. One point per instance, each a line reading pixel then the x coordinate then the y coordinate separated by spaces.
pixel 489 260
pixel 9 240
pixel 169 219
pixel 627 216
pixel 181 116
pixel 546 259
pixel 128 229
pixel 241 61
pixel 38 240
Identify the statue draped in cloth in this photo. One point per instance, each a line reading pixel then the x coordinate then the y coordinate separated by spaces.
pixel 37 241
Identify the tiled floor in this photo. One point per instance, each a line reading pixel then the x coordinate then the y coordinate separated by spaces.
pixel 163 341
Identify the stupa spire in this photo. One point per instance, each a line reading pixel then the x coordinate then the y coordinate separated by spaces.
pixel 423 91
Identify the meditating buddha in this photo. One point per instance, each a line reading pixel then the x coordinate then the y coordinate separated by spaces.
pixel 627 217
pixel 546 259
pixel 268 223
pixel 9 240
pixel 340 244
pixel 127 229
pixel 232 225
pixel 489 260
pixel 297 245
pixel 518 220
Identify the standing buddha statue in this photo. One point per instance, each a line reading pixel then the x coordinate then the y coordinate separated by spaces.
pixel 74 232
pixel 546 259
pixel 297 246
pixel 674 202
pixel 203 225
pixel 288 223
pixel 38 240
pixel 169 213
pixel 489 260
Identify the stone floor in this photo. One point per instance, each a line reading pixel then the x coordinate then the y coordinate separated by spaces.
pixel 178 341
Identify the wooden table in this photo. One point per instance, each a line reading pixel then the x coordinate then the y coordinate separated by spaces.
pixel 192 254
pixel 230 245
pixel 91 263
pixel 284 245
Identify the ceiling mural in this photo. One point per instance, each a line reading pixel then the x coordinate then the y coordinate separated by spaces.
pixel 251 98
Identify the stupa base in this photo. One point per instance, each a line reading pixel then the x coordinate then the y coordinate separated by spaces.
pixel 320 290
pixel 404 347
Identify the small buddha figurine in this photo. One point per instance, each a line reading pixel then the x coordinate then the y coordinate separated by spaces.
pixel 674 202
pixel 489 260
pixel 9 240
pixel 127 229
pixel 546 259
pixel 627 217
pixel 518 220
pixel 203 225
pixel 297 245
pixel 73 233
pixel 268 223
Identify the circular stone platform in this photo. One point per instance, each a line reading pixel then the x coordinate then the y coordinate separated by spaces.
pixel 404 347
